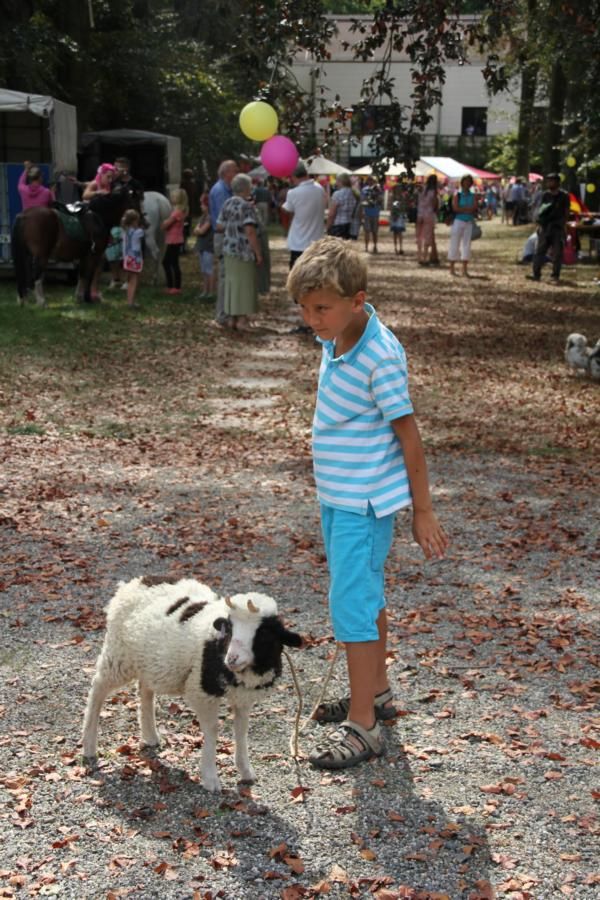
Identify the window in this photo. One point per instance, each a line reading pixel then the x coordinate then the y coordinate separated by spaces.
pixel 474 121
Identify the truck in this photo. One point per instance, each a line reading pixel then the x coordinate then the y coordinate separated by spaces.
pixel 43 130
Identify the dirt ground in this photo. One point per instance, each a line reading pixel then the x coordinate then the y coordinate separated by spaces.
pixel 152 442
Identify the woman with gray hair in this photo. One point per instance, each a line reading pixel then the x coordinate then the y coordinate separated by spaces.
pixel 342 208
pixel 241 253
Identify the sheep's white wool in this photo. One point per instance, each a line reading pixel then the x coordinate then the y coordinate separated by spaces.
pixel 265 604
pixel 183 640
pixel 142 638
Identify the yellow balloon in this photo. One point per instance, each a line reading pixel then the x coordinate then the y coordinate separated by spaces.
pixel 571 162
pixel 258 120
pixel 590 188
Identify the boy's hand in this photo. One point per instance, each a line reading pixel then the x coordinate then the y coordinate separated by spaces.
pixel 429 534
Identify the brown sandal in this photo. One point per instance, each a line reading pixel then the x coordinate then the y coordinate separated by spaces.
pixel 347 746
pixel 337 710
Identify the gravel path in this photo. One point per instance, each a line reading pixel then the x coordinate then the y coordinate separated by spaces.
pixel 487 786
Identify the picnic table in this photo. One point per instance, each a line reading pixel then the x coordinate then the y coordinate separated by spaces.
pixel 586 229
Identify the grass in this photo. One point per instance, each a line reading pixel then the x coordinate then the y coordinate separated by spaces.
pixel 72 369
pixel 25 429
pixel 74 330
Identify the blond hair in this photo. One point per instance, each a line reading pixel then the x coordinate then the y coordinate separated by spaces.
pixel 179 199
pixel 130 217
pixel 329 263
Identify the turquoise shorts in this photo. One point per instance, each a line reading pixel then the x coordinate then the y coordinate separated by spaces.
pixel 356 547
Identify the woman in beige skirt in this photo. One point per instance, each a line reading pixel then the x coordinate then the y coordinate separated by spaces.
pixel 241 253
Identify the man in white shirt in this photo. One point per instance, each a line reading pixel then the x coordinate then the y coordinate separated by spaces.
pixel 305 203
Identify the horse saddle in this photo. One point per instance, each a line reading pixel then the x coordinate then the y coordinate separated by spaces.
pixel 70 214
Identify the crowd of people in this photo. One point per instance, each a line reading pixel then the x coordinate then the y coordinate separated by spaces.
pixel 232 219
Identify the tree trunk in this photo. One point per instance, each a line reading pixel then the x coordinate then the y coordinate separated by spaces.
pixel 556 112
pixel 571 131
pixel 72 17
pixel 526 113
pixel 528 87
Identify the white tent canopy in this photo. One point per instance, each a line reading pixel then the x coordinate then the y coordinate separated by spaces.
pixel 420 169
pixel 315 165
pixel 319 165
pixel 62 124
pixel 259 172
pixel 445 165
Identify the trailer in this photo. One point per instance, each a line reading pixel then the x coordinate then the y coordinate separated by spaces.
pixel 155 158
pixel 42 129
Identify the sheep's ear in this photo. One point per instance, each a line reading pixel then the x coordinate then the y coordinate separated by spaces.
pixel 289 638
pixel 223 626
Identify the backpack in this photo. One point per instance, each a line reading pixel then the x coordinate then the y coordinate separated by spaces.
pixel 544 213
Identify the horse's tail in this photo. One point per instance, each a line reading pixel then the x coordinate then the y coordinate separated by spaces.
pixel 21 258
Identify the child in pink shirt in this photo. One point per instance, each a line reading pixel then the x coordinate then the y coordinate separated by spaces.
pixel 31 190
pixel 173 228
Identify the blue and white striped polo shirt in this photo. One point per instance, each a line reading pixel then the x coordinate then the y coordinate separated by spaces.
pixel 356 455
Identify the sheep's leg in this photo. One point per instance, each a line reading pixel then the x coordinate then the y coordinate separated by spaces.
pixel 150 735
pixel 208 717
pixel 101 687
pixel 241 715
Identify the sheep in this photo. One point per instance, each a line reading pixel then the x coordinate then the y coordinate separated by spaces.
pixel 181 639
pixel 577 352
pixel 579 355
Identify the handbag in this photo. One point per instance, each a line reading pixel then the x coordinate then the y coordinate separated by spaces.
pixel 132 264
pixel 476 232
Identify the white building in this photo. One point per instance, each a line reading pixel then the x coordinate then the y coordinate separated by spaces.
pixel 464 120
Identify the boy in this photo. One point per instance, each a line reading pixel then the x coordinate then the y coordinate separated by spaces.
pixel 368 463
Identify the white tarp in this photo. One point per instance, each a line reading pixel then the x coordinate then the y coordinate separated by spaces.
pixel 62 124
pixel 132 136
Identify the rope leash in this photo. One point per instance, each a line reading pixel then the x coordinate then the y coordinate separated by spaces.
pixel 299 729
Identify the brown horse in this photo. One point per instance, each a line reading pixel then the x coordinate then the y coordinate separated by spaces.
pixel 41 233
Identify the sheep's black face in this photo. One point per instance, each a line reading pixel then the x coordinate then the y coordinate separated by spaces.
pixel 237 648
pixel 269 639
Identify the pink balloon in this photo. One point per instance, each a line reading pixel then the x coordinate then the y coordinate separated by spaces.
pixel 279 156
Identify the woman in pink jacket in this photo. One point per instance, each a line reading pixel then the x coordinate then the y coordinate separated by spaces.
pixel 31 189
